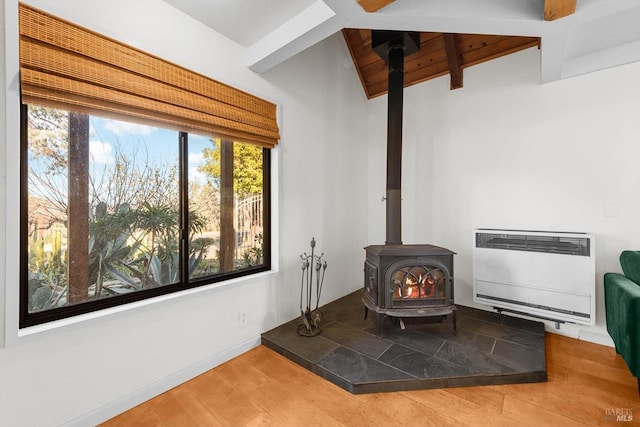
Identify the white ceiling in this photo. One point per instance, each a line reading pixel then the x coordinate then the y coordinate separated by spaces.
pixel 599 35
pixel 243 21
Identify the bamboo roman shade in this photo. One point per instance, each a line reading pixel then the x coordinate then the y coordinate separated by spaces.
pixel 66 66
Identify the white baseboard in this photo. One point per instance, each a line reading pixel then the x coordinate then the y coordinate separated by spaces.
pixel 592 334
pixel 128 401
pixel 595 337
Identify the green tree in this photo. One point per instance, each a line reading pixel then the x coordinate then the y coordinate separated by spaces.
pixel 247 167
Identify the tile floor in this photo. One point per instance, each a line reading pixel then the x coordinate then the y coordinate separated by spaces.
pixel 489 348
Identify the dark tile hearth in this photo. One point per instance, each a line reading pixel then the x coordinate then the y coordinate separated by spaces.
pixel 490 348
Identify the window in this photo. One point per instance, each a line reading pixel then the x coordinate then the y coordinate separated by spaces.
pixel 138 177
pixel 118 211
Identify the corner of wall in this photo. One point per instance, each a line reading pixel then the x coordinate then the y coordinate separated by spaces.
pixel 9 167
pixel 2 169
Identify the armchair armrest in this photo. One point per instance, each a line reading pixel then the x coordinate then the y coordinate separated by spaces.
pixel 622 307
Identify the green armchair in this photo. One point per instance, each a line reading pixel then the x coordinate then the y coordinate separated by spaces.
pixel 622 308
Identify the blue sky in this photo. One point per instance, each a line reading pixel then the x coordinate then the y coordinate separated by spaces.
pixel 161 145
pixel 143 144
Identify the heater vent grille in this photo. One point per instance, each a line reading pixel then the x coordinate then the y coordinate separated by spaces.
pixel 556 244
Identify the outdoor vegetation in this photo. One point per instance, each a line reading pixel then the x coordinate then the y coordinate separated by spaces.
pixel 127 237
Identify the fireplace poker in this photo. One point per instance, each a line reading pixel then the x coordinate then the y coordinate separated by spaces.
pixel 320 281
pixel 311 317
pixel 305 265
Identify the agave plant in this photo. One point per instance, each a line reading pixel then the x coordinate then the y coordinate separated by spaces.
pixel 47 270
pixel 159 228
pixel 109 247
pixel 164 263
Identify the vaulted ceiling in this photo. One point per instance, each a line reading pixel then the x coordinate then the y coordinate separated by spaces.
pixel 440 54
pixel 574 37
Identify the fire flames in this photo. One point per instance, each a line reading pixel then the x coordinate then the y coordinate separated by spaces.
pixel 418 282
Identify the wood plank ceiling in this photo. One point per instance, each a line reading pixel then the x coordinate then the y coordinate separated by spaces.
pixel 440 53
pixel 373 5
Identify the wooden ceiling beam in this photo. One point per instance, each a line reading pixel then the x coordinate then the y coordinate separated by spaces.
pixel 365 36
pixel 373 5
pixel 454 60
pixel 556 9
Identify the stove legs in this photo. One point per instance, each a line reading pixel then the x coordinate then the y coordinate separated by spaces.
pixel 453 319
pixel 379 319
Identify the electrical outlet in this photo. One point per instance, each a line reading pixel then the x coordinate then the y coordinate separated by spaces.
pixel 242 318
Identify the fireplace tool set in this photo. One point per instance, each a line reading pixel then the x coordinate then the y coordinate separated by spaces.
pixel 309 286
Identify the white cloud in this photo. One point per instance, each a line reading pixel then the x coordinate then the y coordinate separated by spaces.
pixel 126 128
pixel 196 158
pixel 100 152
pixel 196 176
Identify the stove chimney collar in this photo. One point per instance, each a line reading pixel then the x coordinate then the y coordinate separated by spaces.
pixel 382 41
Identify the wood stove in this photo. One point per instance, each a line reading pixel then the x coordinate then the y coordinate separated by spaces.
pixel 410 281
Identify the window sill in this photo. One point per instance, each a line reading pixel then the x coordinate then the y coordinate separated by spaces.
pixel 126 309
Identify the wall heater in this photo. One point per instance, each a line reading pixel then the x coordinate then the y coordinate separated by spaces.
pixel 548 275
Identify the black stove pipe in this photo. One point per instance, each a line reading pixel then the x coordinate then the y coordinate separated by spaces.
pixel 392 47
pixel 395 103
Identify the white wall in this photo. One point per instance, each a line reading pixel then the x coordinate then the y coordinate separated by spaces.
pixel 327 155
pixel 84 372
pixel 2 175
pixel 507 152
pixel 503 151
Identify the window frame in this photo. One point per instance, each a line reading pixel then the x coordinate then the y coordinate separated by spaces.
pixel 39 318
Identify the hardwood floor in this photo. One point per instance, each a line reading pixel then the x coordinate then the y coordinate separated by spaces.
pixel 589 385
